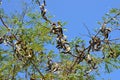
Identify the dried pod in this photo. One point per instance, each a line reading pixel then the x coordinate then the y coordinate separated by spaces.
pixel 95 43
pixel 63 39
pixel 106 32
pixel 49 64
pixel 59 30
pixel 53 28
pixel 88 58
pixel 55 67
pixel 1 40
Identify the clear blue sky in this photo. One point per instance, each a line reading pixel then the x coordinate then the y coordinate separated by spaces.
pixel 76 12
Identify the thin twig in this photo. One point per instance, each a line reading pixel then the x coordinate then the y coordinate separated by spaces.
pixel 4 23
pixel 87 29
pixel 113 17
pixel 7 27
pixel 38 70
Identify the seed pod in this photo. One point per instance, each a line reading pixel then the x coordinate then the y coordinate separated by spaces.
pixel 55 67
pixel 53 28
pixel 49 64
pixel 106 32
pixel 67 48
pixel 1 40
pixel 89 59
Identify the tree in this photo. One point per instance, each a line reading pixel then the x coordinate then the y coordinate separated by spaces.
pixel 23 40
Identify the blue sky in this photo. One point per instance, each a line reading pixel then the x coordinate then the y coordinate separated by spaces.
pixel 75 13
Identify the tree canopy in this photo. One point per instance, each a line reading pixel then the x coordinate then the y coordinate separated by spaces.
pixel 26 38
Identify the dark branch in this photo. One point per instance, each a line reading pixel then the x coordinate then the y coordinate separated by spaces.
pixel 38 70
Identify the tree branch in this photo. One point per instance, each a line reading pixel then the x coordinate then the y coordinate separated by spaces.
pixel 4 23
pixel 38 70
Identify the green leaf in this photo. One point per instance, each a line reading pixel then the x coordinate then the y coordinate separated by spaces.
pixel 114 10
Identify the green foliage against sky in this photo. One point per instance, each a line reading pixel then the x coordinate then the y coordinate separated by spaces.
pixel 24 47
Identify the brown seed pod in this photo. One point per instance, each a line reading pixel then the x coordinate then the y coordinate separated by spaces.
pixel 1 40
